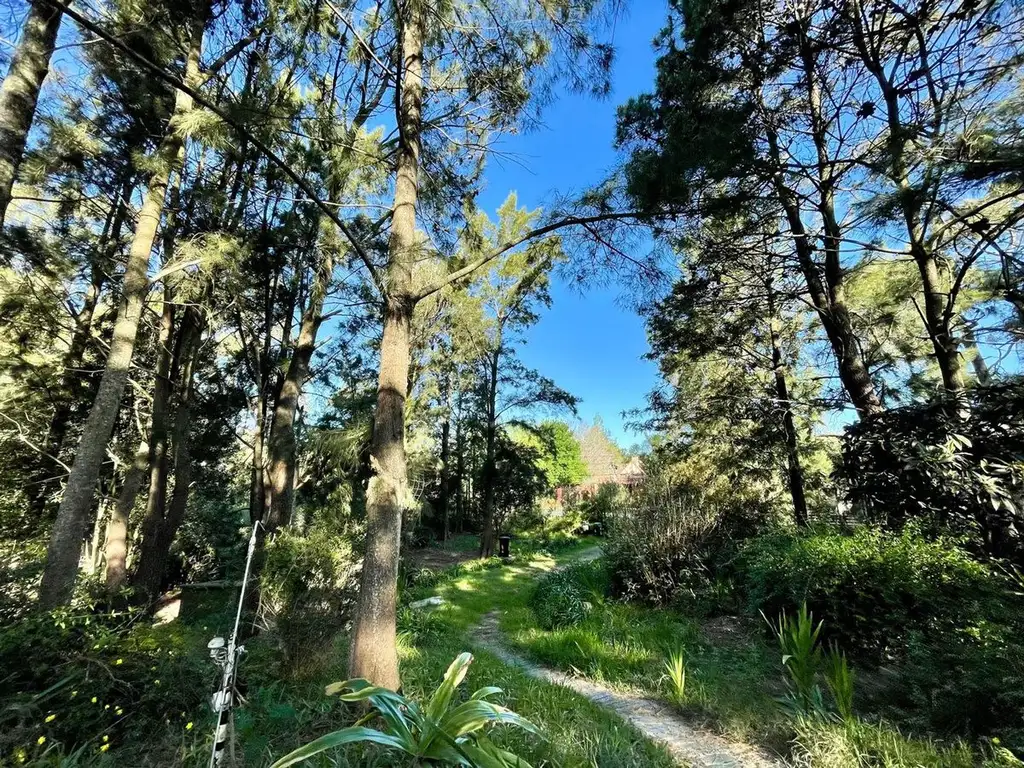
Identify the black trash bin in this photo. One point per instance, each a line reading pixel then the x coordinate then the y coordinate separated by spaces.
pixel 503 542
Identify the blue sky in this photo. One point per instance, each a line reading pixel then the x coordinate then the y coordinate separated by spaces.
pixel 586 342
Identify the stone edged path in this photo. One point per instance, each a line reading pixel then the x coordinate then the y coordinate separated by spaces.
pixel 654 719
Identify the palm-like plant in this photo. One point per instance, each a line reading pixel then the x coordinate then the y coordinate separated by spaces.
pixel 675 673
pixel 801 657
pixel 442 732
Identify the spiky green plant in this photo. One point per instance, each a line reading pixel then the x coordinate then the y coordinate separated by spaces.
pixel 675 673
pixel 839 679
pixel 801 656
pixel 441 732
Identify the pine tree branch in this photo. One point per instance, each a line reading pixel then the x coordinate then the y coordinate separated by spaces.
pixel 554 226
pixel 231 52
pixel 272 156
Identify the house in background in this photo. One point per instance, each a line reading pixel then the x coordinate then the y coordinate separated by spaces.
pixel 606 465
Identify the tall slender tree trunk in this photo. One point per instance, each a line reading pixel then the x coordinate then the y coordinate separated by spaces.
pixel 115 547
pixel 444 500
pixel 283 458
pixel 374 654
pixel 282 429
pixel 154 555
pixel 490 470
pixel 257 488
pixel 828 285
pixel 19 92
pixel 828 303
pixel 156 501
pixel 72 379
pixel 938 309
pixel 460 469
pixel 65 545
pixel 794 469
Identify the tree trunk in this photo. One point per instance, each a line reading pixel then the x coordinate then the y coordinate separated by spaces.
pixel 282 429
pixel 156 502
pixel 490 470
pixel 153 568
pixel 460 469
pixel 827 287
pixel 444 500
pixel 92 548
pixel 981 369
pixel 115 547
pixel 374 654
pixel 795 471
pixel 831 310
pixel 65 545
pixel 938 299
pixel 257 489
pixel 20 92
pixel 72 389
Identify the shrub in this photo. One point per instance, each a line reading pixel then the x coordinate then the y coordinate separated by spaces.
pixel 969 681
pixel 565 597
pixel 78 676
pixel 601 507
pixel 928 463
pixel 872 589
pixel 660 546
pixel 308 586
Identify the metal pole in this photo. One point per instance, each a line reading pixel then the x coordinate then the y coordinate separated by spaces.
pixel 223 699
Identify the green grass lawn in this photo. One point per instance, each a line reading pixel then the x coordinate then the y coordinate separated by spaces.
pixel 728 686
pixel 282 714
pixel 731 684
pixel 733 681
pixel 579 732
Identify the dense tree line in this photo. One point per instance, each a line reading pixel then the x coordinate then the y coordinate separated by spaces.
pixel 837 181
pixel 241 240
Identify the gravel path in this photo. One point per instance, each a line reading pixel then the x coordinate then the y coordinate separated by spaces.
pixel 656 720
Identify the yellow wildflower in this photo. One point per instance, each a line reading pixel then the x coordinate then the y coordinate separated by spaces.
pixel 188 727
pixel 104 748
pixel 50 718
pixel 41 740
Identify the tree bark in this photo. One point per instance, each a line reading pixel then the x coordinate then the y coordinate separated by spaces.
pixel 374 654
pixel 115 547
pixel 460 470
pixel 829 305
pixel 490 470
pixel 939 300
pixel 444 497
pixel 65 544
pixel 19 93
pixel 794 469
pixel 146 577
pixel 72 387
pixel 282 429
pixel 153 559
pixel 981 369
